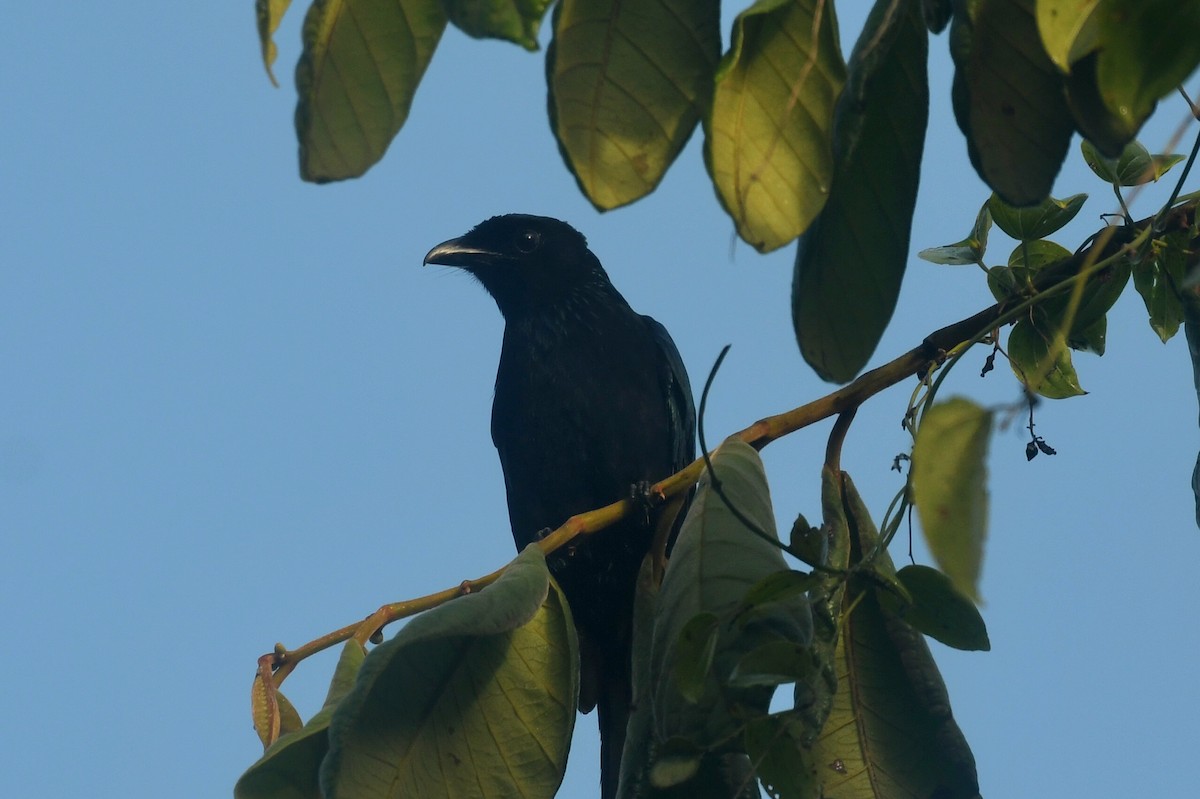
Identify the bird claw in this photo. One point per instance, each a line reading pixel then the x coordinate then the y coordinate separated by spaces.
pixel 645 498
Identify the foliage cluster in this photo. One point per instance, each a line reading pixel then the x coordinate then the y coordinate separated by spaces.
pixel 476 696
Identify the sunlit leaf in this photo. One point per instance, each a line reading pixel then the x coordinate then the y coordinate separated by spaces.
pixel 288 769
pixel 949 488
pixel 968 251
pixel 515 21
pixel 768 136
pixel 360 68
pixel 474 697
pixel 851 261
pixel 627 84
pixel 1068 29
pixel 1051 375
pixel 1008 99
pixel 269 13
pixel 1035 221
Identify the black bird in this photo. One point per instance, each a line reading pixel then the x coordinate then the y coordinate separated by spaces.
pixel 591 400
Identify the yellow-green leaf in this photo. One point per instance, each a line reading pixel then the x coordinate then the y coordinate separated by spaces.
pixel 1068 29
pixel 768 136
pixel 949 487
pixel 361 64
pixel 851 261
pixel 288 769
pixel 628 83
pixel 1042 364
pixel 476 697
pixel 269 13
pixel 891 732
pixel 1008 99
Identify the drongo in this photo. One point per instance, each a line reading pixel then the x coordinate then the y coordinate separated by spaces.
pixel 591 400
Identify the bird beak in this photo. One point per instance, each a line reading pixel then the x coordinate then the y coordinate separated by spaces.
pixel 456 252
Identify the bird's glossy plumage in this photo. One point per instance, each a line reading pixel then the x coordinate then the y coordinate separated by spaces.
pixel 591 398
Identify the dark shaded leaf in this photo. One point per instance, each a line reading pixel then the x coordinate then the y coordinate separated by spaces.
pixel 851 261
pixel 360 68
pixel 767 138
pixel 1008 99
pixel 949 487
pixel 1145 49
pixel 516 21
pixel 627 84
pixel 940 610
pixel 782 762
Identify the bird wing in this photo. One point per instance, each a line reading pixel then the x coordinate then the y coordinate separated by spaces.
pixel 680 404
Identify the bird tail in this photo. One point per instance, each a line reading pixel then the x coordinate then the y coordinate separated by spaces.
pixel 612 706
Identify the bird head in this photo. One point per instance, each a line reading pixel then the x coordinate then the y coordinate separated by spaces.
pixel 525 262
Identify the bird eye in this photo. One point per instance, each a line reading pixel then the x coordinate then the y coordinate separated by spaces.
pixel 528 240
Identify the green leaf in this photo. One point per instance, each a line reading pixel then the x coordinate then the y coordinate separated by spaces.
pixel 516 21
pixel 269 13
pixel 1051 375
pixel 1191 329
pixel 627 85
pixel 1134 167
pixel 640 744
pixel 767 137
pixel 940 610
pixel 782 761
pixel 1036 221
pixel 813 696
pixel 1101 292
pixel 715 562
pixel 1145 49
pixel 474 697
pixel 360 68
pixel 1091 338
pixel 968 251
pixel 288 769
pixel 1068 29
pixel 778 587
pixel 891 732
pixel 850 262
pixel 1037 254
pixel 937 14
pixel 1008 99
pixel 1159 281
pixel 694 655
pixel 949 487
pixel 773 663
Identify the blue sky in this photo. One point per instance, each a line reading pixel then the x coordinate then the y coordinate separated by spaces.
pixel 235 409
